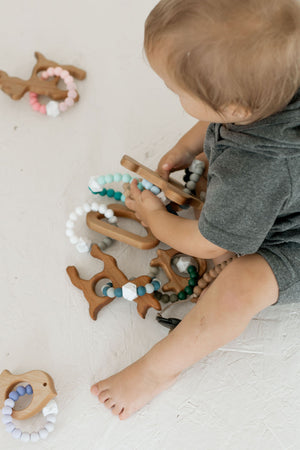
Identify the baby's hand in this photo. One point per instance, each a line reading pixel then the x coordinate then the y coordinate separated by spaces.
pixel 144 204
pixel 179 157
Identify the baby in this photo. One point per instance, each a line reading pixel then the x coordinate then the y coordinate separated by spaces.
pixel 235 66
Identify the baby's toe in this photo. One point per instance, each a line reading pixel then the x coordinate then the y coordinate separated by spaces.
pixel 117 409
pixel 109 403
pixel 124 414
pixel 104 395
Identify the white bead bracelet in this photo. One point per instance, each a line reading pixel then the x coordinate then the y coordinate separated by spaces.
pixel 84 245
pixel 49 412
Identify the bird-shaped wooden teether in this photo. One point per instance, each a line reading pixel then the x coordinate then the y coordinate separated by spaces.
pixel 43 391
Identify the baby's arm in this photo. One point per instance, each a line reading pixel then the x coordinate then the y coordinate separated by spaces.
pixel 177 232
pixel 183 153
pixel 182 234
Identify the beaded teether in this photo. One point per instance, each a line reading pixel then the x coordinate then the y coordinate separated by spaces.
pixel 54 108
pixel 42 85
pixel 84 245
pixel 49 413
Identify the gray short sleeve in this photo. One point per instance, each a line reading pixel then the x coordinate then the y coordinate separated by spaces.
pixel 246 192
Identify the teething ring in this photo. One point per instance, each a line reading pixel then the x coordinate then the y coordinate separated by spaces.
pixel 54 108
pixel 94 222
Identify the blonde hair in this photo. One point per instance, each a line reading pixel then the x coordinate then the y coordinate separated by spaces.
pixel 242 52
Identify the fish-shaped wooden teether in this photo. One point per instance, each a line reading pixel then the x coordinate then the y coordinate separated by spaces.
pixel 43 391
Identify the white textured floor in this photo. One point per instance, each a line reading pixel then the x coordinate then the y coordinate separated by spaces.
pixel 243 396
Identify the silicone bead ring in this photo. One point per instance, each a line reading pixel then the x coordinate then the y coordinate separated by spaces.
pixel 54 108
pixel 49 412
pixel 82 245
pixel 97 183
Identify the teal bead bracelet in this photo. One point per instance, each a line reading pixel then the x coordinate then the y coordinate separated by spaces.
pixel 130 291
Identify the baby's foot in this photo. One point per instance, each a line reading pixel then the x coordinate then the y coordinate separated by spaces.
pixel 129 390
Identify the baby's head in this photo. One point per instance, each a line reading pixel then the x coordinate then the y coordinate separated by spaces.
pixel 228 60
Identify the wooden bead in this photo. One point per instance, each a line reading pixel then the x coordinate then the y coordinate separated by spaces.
pixel 202 283
pixel 197 290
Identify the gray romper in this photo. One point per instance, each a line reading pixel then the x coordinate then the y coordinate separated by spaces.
pixel 253 197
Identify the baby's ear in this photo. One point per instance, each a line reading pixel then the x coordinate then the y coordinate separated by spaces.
pixel 236 113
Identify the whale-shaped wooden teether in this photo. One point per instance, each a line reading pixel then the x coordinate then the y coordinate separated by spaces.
pixel 43 391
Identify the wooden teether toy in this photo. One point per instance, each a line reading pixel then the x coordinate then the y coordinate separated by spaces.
pixel 95 222
pixel 16 87
pixel 144 300
pixel 172 189
pixel 36 383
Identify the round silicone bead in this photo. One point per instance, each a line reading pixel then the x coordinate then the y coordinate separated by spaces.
pixel 10 427
pixel 103 192
pixel 157 295
pixel 173 298
pixel 101 179
pixel 43 433
pixel 141 290
pixel 14 395
pixel 25 437
pixel 7 410
pixel 51 418
pixel 156 284
pixel 108 241
pixel 155 190
pixel 104 290
pixel 95 206
pixel 117 177
pixel 21 391
pixel 109 178
pixel 126 178
pixel 188 290
pixel 87 208
pixel 109 213
pixel 182 295
pixel 118 292
pixel 123 198
pixel 79 210
pixel 73 217
pixel 118 195
pixel 6 418
pixel 147 184
pixel 102 208
pixel 9 402
pixel 29 390
pixel 49 427
pixel 149 288
pixel 34 437
pixel 192 282
pixel 16 433
pixel 110 292
pixel 110 193
pixel 191 269
pixel 165 298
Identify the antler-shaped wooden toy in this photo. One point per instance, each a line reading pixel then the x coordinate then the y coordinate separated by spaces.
pixel 43 391
pixel 112 272
pixel 172 189
pixel 16 87
pixel 176 282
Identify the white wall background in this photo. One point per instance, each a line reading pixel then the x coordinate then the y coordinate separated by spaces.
pixel 243 396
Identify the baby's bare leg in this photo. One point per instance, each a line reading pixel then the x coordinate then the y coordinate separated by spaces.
pixel 243 288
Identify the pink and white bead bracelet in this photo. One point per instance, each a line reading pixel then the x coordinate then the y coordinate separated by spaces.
pixel 53 108
pixel 49 412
